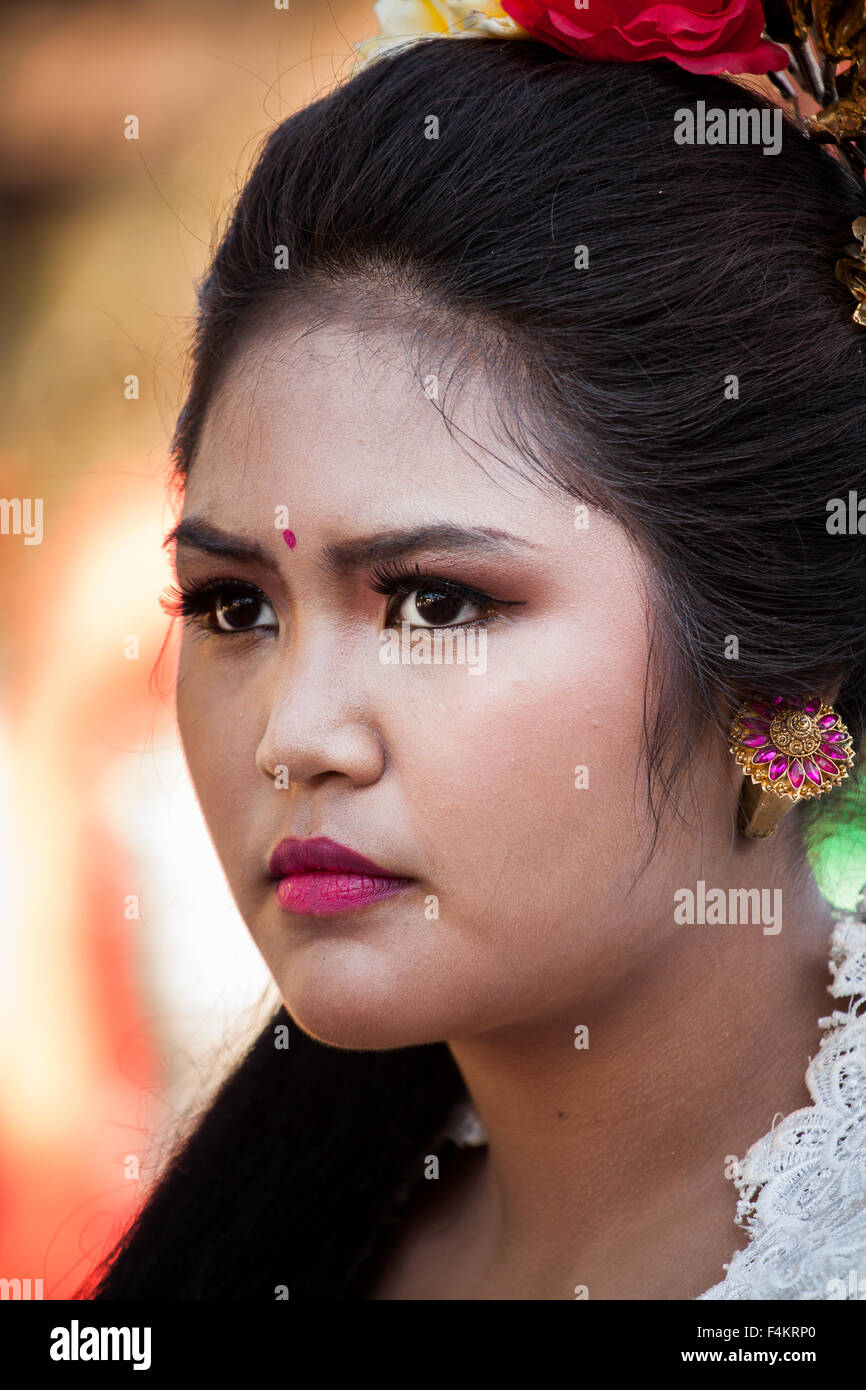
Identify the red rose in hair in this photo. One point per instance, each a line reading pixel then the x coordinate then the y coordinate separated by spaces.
pixel 706 36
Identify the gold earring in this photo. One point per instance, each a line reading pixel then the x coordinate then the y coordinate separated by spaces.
pixel 790 749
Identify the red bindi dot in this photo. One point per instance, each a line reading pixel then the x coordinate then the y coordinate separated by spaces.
pixel 289 538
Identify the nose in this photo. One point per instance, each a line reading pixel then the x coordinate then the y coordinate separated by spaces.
pixel 319 716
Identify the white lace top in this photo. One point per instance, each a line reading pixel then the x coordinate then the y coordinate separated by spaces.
pixel 802 1187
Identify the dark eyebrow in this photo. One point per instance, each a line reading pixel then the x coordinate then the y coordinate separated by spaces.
pixel 342 557
pixel 198 534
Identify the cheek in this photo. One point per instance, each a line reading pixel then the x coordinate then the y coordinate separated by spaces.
pixel 525 789
pixel 219 745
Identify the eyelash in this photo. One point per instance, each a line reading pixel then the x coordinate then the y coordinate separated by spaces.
pixel 193 602
pixel 399 581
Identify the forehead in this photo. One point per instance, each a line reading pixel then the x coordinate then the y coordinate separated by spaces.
pixel 331 419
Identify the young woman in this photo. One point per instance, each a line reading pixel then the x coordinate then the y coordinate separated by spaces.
pixel 490 365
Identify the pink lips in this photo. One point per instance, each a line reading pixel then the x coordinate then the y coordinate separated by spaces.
pixel 319 877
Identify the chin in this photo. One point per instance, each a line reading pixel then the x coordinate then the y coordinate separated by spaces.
pixel 351 1024
pixel 355 1005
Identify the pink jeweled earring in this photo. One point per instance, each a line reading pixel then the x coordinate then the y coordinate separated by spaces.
pixel 790 749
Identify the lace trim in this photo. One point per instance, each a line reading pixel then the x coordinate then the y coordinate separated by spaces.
pixel 802 1188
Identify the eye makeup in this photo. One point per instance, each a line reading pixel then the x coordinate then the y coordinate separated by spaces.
pixel 203 602
pixel 222 605
pixel 400 581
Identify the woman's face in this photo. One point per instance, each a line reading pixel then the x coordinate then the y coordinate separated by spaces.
pixel 463 778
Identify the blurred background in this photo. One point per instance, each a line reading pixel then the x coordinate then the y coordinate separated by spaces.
pixel 128 982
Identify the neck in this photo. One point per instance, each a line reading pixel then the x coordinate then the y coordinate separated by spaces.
pixel 609 1162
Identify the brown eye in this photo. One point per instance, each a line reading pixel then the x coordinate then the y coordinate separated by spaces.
pixel 220 606
pixel 434 605
pixel 236 610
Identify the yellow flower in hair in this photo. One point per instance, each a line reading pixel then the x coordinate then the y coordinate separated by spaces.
pixel 404 21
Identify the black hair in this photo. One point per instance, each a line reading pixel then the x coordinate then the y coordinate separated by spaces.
pixel 289 1181
pixel 446 190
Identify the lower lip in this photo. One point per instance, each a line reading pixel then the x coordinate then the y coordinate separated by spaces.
pixel 322 893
